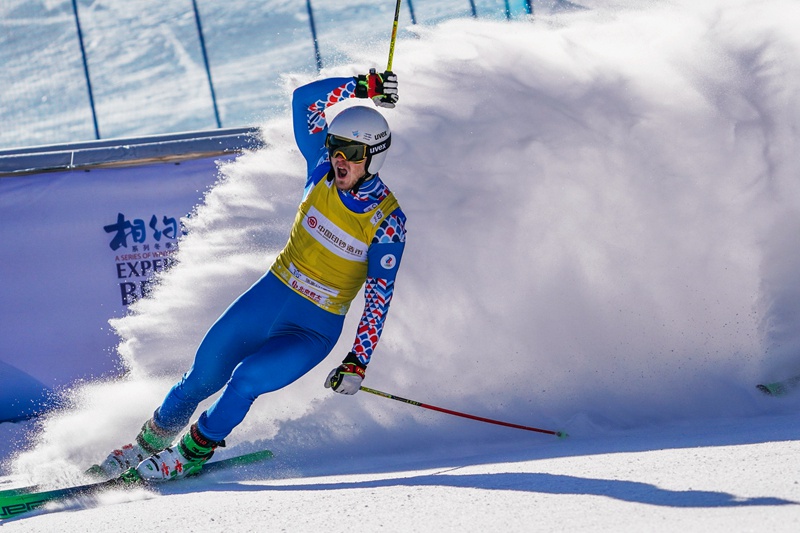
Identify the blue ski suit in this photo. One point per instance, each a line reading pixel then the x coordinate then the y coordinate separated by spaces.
pixel 275 332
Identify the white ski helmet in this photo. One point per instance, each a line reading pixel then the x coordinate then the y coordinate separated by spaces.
pixel 365 125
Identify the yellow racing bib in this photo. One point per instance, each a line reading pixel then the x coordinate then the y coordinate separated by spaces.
pixel 325 259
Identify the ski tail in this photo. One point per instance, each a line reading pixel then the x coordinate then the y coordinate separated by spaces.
pixel 94 472
pixel 15 505
pixel 20 490
pixel 16 502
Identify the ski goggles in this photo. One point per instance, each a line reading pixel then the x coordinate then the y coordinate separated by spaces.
pixel 352 151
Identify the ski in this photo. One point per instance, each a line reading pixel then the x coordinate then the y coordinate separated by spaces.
pixel 780 388
pixel 14 502
pixel 94 472
pixel 19 490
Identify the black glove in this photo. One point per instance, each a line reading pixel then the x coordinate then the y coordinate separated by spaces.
pixel 382 88
pixel 347 377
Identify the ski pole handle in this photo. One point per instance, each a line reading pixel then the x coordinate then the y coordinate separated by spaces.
pixel 559 434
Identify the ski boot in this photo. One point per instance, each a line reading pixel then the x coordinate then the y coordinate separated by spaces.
pixel 184 459
pixel 151 439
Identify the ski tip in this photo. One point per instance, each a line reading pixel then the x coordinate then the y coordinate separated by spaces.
pixel 773 389
pixel 562 434
pixel 251 457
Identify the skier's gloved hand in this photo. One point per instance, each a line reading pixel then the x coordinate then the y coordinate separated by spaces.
pixel 347 377
pixel 390 94
pixel 381 88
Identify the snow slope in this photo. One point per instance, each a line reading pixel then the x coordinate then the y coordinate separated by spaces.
pixel 603 214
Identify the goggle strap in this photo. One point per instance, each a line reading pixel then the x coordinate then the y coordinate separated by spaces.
pixel 378 148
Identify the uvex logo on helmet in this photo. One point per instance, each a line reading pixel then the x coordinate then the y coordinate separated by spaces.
pixel 378 148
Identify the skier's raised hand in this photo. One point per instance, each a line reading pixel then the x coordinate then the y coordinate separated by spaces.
pixel 381 88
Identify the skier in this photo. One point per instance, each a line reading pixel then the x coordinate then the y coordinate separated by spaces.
pixel 349 230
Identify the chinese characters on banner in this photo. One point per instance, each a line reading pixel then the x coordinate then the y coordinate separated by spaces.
pixel 142 248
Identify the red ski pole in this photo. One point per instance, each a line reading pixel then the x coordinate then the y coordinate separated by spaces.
pixel 559 434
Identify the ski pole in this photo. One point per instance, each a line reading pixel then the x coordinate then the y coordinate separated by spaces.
pixel 394 35
pixel 559 434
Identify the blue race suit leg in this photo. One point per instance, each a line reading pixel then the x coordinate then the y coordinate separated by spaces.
pixel 268 338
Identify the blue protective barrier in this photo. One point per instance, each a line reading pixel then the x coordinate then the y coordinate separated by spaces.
pixel 151 67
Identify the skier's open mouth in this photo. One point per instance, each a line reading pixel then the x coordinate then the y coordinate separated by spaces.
pixel 341 172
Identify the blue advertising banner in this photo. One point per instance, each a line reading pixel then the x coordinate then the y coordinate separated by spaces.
pixel 77 247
